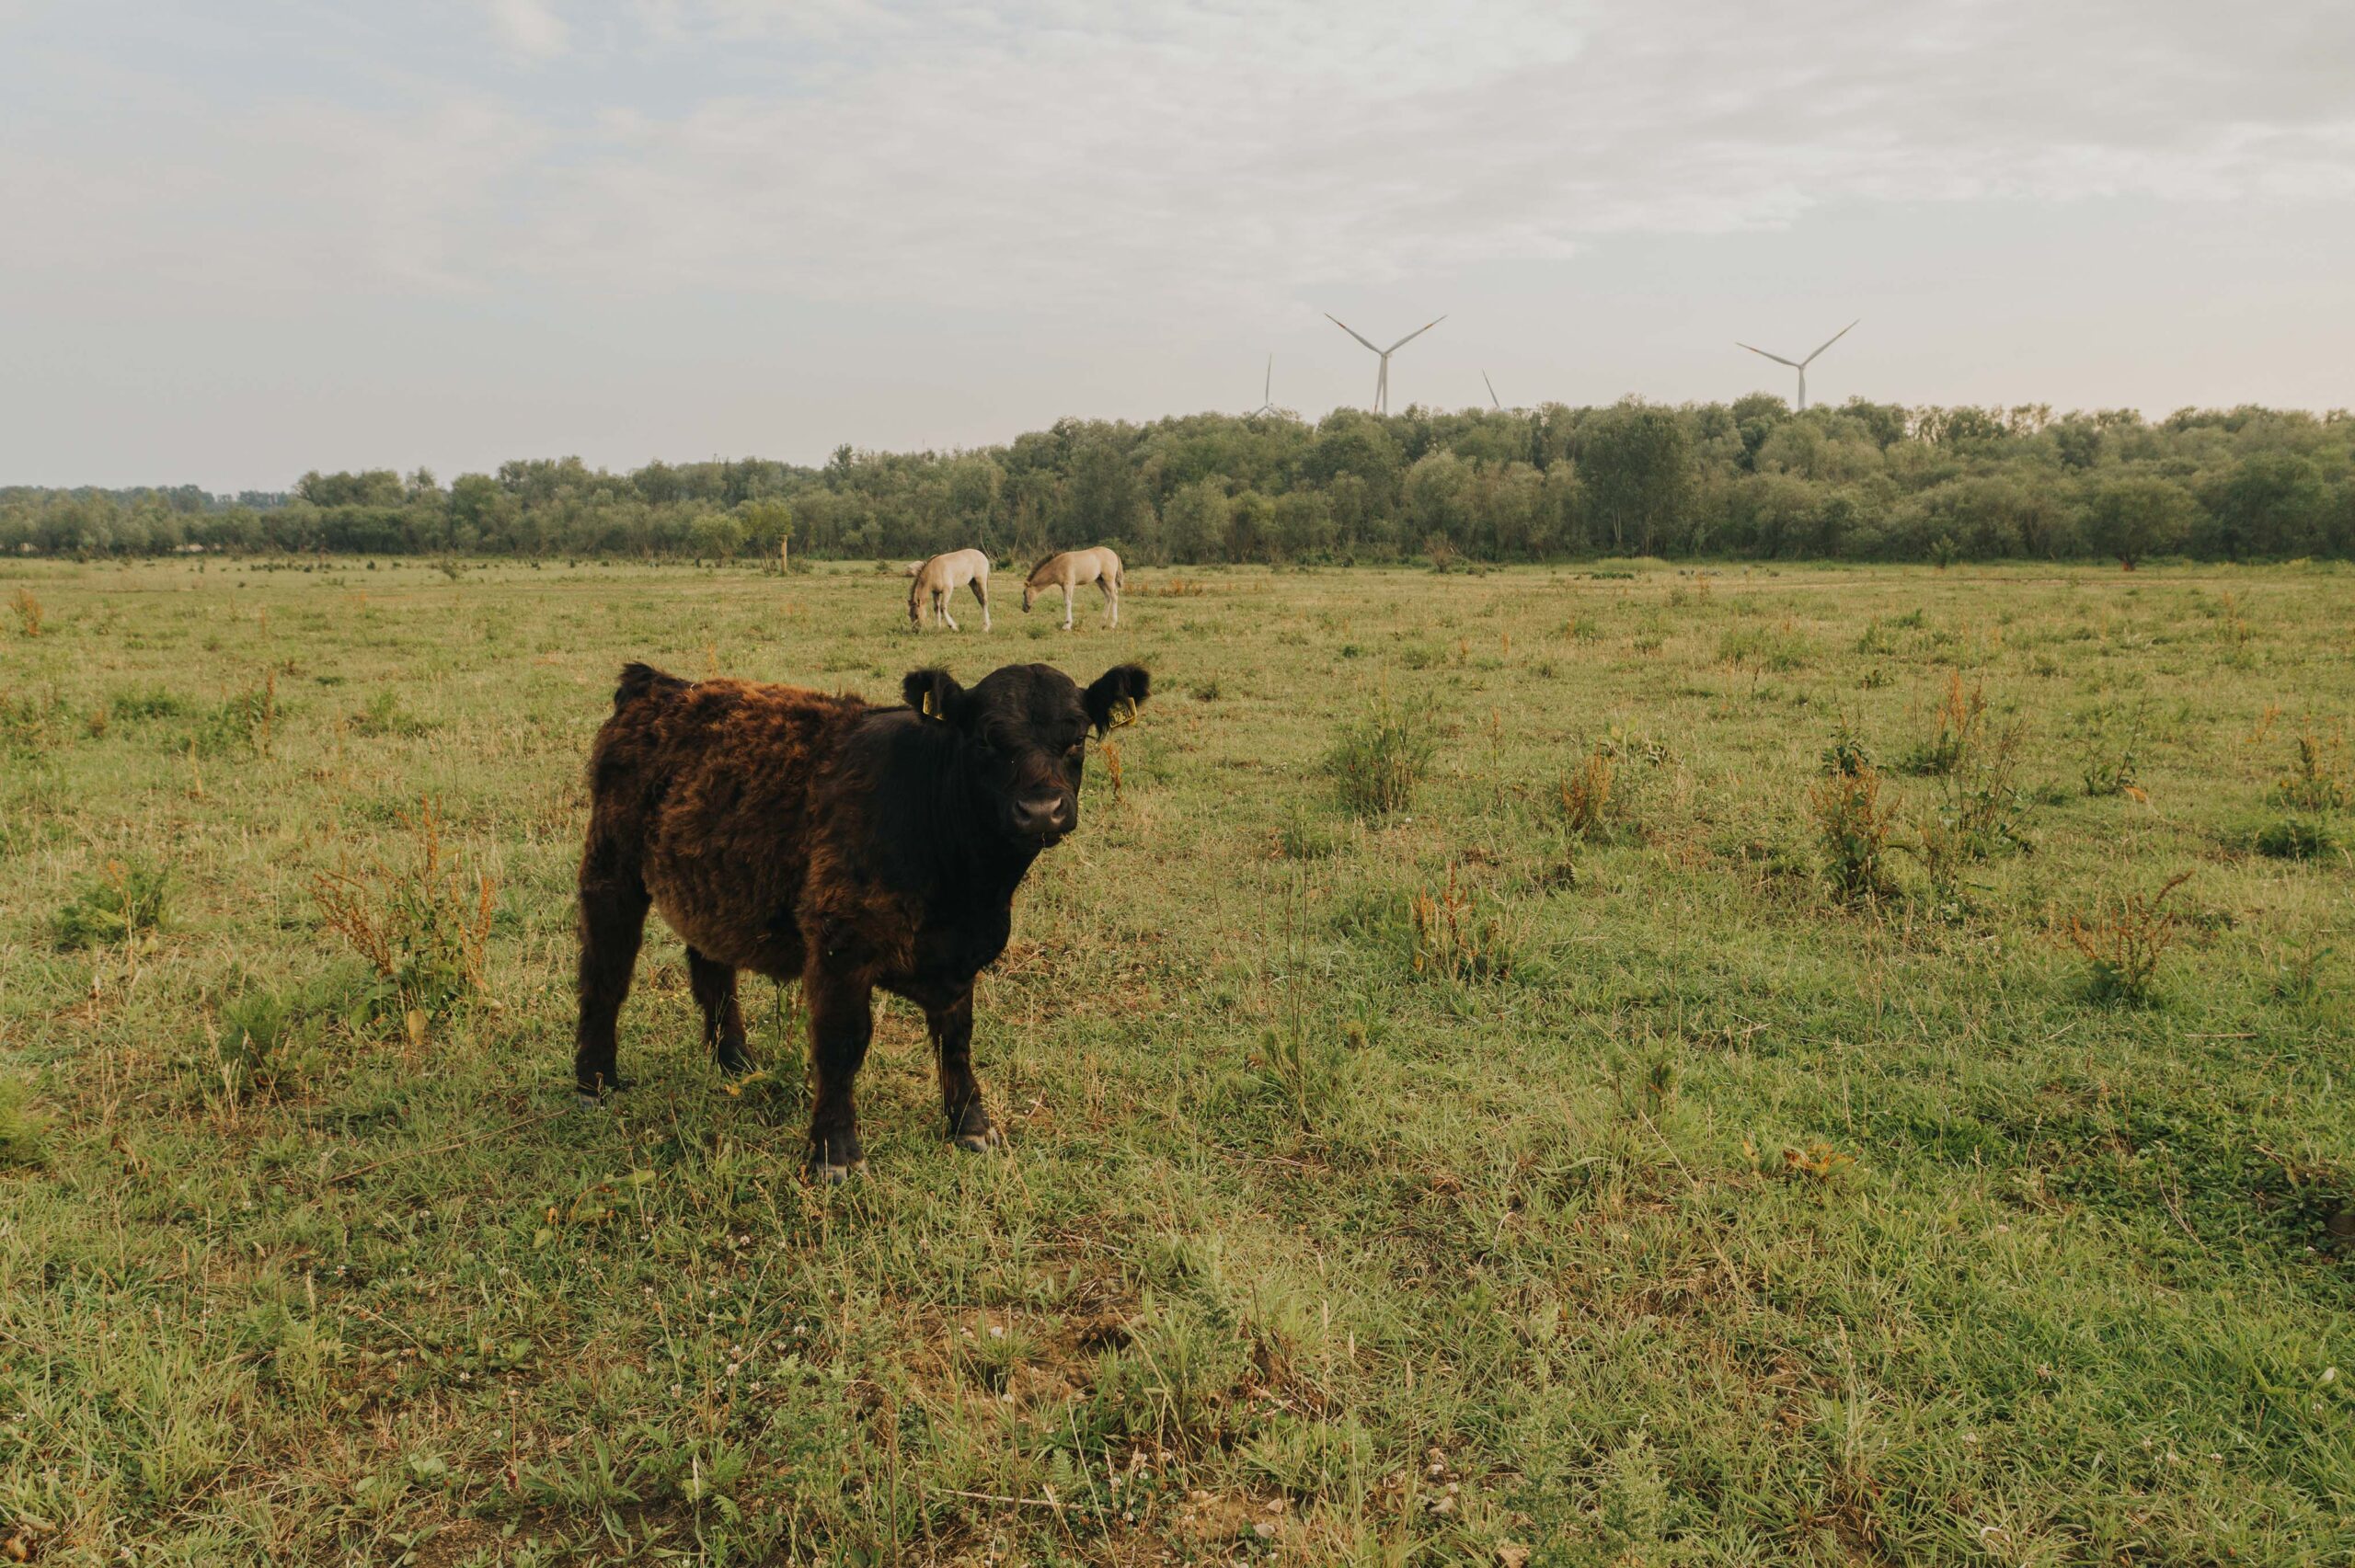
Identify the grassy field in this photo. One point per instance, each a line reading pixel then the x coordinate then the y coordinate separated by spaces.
pixel 1749 1101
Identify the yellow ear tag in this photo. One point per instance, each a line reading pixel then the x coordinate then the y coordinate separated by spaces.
pixel 929 712
pixel 1123 712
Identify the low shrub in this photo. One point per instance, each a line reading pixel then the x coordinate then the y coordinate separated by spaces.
pixel 123 899
pixel 1853 826
pixel 1380 760
pixel 423 928
pixel 2123 941
pixel 2296 837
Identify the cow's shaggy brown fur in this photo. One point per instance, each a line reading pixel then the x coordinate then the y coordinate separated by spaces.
pixel 815 836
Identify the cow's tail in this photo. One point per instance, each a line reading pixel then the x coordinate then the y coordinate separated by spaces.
pixel 640 682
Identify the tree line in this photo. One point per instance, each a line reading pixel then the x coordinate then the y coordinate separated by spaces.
pixel 1749 479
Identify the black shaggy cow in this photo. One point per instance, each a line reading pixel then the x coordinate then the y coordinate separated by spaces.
pixel 813 837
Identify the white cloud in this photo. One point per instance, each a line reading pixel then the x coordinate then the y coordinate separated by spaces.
pixel 1033 151
pixel 530 26
pixel 1047 147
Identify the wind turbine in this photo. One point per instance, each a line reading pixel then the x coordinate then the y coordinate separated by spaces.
pixel 1801 366
pixel 1492 392
pixel 1382 377
pixel 1267 392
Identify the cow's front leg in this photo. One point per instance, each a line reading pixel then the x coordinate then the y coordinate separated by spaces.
pixel 960 1095
pixel 842 1021
pixel 714 984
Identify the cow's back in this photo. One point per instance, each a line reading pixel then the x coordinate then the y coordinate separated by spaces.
pixel 713 784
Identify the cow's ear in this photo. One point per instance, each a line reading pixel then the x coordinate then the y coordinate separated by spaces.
pixel 936 694
pixel 1115 697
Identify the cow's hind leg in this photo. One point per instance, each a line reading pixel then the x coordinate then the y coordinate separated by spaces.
pixel 714 984
pixel 842 1021
pixel 961 1093
pixel 613 920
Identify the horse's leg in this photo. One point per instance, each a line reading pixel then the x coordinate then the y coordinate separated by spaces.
pixel 1069 594
pixel 1112 599
pixel 946 618
pixel 981 586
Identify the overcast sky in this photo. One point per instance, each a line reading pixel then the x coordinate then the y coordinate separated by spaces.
pixel 243 238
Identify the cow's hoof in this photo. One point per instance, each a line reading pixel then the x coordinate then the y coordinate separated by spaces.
pixel 972 1131
pixel 734 1060
pixel 594 1094
pixel 835 1158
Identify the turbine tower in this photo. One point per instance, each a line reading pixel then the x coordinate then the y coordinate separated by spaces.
pixel 1801 366
pixel 1381 376
pixel 1268 391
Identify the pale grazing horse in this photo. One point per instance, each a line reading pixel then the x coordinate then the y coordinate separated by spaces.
pixel 1068 571
pixel 938 581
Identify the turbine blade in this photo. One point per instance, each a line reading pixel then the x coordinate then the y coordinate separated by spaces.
pixel 1776 358
pixel 1492 391
pixel 1831 340
pixel 1348 329
pixel 1268 390
pixel 1412 335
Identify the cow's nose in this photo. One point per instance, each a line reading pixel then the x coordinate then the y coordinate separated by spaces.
pixel 1044 814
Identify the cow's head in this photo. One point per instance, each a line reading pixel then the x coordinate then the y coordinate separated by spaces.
pixel 1022 738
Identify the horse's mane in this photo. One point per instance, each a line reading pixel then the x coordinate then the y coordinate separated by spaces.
pixel 1044 562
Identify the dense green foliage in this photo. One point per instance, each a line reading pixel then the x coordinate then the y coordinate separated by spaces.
pixel 1750 479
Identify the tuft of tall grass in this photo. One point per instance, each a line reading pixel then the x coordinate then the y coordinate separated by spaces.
pixel 1454 938
pixel 1763 649
pixel 245 722
pixel 24 1132
pixel 1586 794
pixel 1853 824
pixel 2124 940
pixel 2296 837
pixel 1959 724
pixel 2111 746
pixel 2317 779
pixel 1309 1071
pixel 28 609
pixel 1980 798
pixel 1114 774
pixel 1302 837
pixel 423 927
pixel 121 900
pixel 1380 758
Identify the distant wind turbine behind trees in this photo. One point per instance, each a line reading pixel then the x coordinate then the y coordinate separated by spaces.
pixel 1381 376
pixel 1801 366
pixel 1267 391
pixel 1492 392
